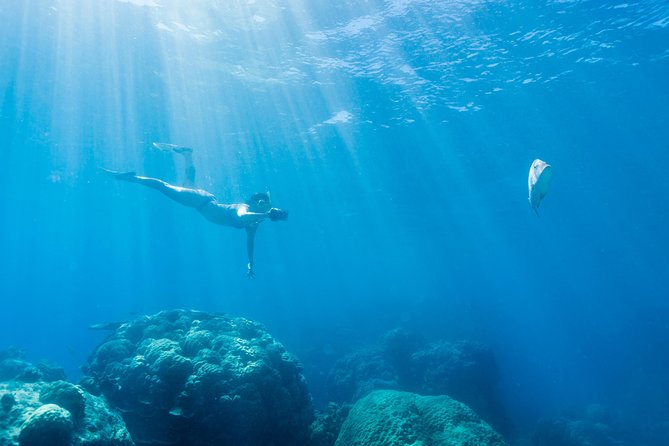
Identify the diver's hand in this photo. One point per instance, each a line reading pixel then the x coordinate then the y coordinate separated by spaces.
pixel 249 272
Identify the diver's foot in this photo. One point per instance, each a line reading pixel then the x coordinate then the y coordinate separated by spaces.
pixel 173 147
pixel 182 150
pixel 127 176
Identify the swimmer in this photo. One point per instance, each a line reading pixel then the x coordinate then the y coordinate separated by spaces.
pixel 248 215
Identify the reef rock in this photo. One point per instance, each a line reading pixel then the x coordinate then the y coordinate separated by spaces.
pixel 194 378
pixel 13 366
pixel 66 395
pixel 393 418
pixel 592 425
pixel 55 414
pixel 360 372
pixel 463 370
pixel 48 424
pixel 326 426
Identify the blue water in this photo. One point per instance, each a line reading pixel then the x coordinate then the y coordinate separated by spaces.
pixel 397 133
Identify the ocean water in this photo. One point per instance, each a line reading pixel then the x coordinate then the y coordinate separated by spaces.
pixel 397 133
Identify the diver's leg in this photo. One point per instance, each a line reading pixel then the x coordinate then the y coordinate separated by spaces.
pixel 189 167
pixel 193 198
pixel 165 147
pixel 187 154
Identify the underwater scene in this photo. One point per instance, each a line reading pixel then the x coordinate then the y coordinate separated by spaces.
pixel 320 223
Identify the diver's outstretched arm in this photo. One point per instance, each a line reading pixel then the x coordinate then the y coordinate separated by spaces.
pixel 250 236
pixel 193 198
pixel 253 218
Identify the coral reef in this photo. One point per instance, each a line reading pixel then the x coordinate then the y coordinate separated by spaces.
pixel 592 425
pixel 360 372
pixel 191 378
pixel 466 371
pixel 393 418
pixel 326 426
pixel 57 413
pixel 195 378
pixel 564 432
pixel 48 424
pixel 13 366
pixel 67 396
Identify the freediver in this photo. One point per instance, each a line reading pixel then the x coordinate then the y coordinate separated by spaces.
pixel 248 215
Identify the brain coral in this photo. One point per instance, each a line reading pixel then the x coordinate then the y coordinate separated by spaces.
pixel 194 378
pixel 394 418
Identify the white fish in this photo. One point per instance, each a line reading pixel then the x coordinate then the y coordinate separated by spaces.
pixel 539 182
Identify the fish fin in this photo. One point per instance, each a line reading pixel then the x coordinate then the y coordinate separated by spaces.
pixel 536 211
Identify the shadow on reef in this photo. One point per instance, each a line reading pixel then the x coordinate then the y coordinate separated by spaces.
pixel 193 378
pixel 465 371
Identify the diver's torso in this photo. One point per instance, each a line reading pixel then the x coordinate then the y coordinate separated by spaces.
pixel 222 214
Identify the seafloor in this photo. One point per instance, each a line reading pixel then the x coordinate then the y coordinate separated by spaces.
pixel 192 378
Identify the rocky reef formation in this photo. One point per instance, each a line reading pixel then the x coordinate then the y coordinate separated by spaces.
pixel 57 414
pixel 194 378
pixel 13 366
pixel 393 418
pixel 592 425
pixel 465 371
pixel 189 378
pixel 37 407
pixel 328 422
